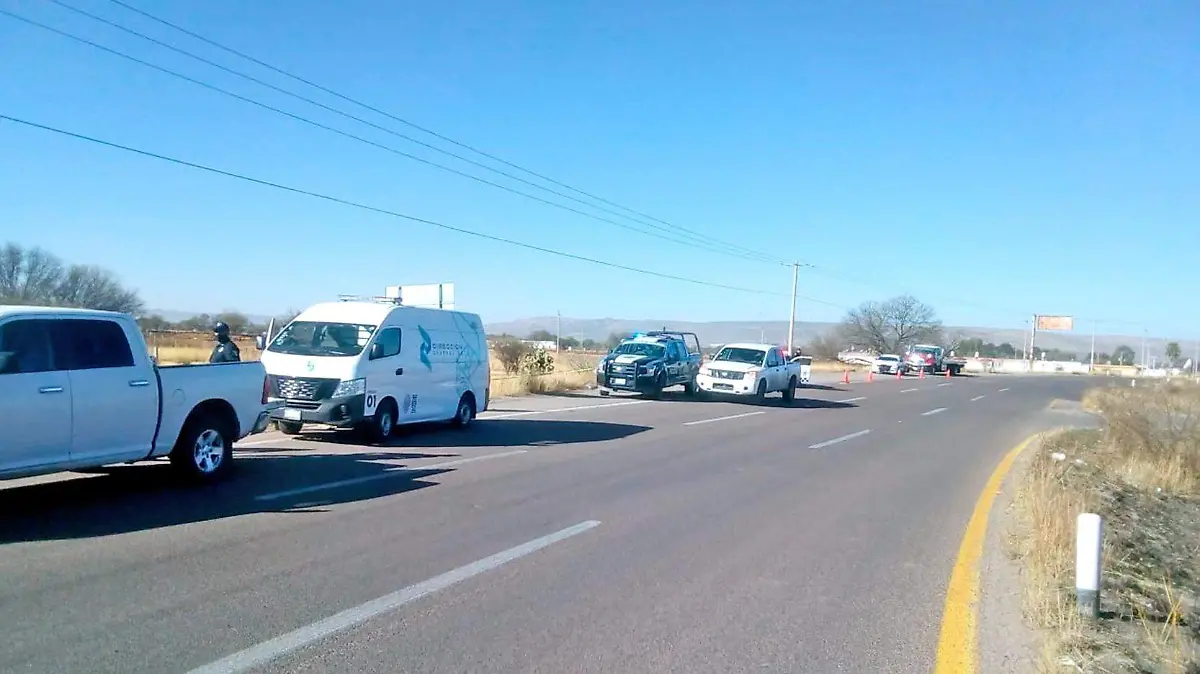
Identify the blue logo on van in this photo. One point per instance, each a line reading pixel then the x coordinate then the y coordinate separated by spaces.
pixel 426 347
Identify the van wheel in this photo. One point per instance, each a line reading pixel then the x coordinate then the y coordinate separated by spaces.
pixel 465 413
pixel 204 451
pixel 789 393
pixel 383 424
pixel 289 427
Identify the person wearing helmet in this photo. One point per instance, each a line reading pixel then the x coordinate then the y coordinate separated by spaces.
pixel 225 351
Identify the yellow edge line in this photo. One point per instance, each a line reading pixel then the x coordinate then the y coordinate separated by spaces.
pixel 957 651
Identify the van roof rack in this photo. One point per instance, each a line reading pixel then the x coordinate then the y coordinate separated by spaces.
pixel 369 298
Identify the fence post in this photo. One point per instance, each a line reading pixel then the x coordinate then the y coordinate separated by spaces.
pixel 1089 533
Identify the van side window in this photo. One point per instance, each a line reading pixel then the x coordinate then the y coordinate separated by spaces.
pixel 91 344
pixel 25 347
pixel 389 342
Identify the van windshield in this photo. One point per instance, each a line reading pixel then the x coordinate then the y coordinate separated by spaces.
pixel 318 338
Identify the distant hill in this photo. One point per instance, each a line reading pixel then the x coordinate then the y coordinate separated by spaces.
pixel 723 332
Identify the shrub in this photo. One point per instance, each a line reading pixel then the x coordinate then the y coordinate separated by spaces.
pixel 537 362
pixel 511 353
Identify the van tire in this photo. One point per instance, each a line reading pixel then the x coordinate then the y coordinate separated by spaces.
pixel 204 451
pixel 289 427
pixel 464 414
pixel 383 424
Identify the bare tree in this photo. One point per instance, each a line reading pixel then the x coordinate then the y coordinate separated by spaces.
pixel 888 326
pixel 35 276
pixel 824 346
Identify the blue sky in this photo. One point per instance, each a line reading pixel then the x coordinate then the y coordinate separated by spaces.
pixel 1046 147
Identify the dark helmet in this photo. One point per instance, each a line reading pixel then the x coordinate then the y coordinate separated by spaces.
pixel 221 329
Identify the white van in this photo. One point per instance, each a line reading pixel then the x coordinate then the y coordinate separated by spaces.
pixel 375 363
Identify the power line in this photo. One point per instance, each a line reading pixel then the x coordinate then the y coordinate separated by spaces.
pixel 374 209
pixel 366 141
pixel 384 113
pixel 707 243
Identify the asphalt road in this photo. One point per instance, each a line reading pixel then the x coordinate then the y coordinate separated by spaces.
pixel 559 534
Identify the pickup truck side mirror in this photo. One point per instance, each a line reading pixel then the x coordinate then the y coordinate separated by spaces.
pixel 260 342
pixel 376 351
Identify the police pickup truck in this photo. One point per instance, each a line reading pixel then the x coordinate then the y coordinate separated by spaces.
pixel 649 362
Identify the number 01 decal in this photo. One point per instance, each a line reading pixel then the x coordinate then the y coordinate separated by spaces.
pixel 371 402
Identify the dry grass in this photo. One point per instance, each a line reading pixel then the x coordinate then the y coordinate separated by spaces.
pixel 1141 473
pixel 571 370
pixel 836 366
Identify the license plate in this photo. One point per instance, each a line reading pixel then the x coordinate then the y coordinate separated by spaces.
pixel 619 381
pixel 292 414
pixel 723 387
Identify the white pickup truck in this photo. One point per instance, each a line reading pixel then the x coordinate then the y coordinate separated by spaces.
pixel 752 370
pixel 78 390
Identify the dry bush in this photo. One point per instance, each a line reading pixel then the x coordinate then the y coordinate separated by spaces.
pixel 510 352
pixel 1152 434
pixel 1140 474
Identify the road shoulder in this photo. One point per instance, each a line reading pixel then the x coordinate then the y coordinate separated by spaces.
pixel 1007 643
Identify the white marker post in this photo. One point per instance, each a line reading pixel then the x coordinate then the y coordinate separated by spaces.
pixel 1089 532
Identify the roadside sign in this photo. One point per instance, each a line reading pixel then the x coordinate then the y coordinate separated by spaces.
pixel 1055 323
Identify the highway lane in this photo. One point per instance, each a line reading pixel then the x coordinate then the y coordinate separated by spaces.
pixel 727 545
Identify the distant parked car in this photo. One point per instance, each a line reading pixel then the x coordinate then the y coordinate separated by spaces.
pixel 887 363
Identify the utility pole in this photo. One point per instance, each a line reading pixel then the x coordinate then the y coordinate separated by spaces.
pixel 1145 331
pixel 1196 359
pixel 1093 365
pixel 1032 339
pixel 558 334
pixel 792 319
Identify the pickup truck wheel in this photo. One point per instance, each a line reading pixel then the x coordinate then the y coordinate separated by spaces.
pixel 660 383
pixel 761 393
pixel 789 393
pixel 289 427
pixel 690 388
pixel 204 451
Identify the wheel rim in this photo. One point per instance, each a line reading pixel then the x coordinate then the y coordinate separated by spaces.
pixel 385 423
pixel 209 451
pixel 464 413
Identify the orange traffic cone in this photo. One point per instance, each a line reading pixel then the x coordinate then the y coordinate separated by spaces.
pixel 899 374
pixel 846 377
pixel 922 375
pixel 870 376
pixel 947 373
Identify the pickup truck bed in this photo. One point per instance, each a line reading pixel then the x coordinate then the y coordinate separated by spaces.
pixel 80 391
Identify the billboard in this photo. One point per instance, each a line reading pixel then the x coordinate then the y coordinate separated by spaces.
pixel 1055 323
pixel 431 295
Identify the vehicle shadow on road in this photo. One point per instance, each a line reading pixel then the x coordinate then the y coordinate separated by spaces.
pixel 820 387
pixel 146 496
pixel 139 497
pixel 812 404
pixel 484 433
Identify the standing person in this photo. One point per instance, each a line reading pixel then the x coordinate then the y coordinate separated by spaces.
pixel 225 351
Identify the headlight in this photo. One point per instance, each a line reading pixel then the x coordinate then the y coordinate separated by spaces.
pixel 752 374
pixel 706 372
pixel 350 387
